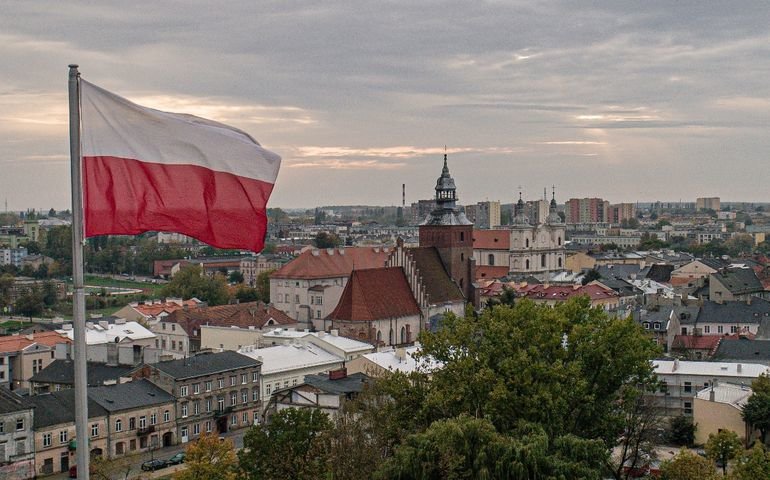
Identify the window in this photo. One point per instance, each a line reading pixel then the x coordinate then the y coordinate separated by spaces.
pixel 142 422
pixel 688 408
pixel 166 416
pixel 296 298
pixel 244 378
pixel 233 398
pixel 208 385
pixel 646 325
pixel 132 423
pixel 254 377
pixel 208 427
pixel 233 379
pixel 526 265
pixel 19 424
pixel 403 335
pixel 183 431
pixel 526 243
pixel 491 259
pixel 95 430
pixel 197 429
pixel 286 298
pixel 733 328
pixel 688 387
pixel 20 450
pixel 196 408
pixel 234 420
pixel 118 425
pixel 720 329
pixel 220 403
pixel 707 329
pixel 244 396
pixel 208 404
pixel 184 409
pixel 684 330
pixel 163 325
pixel 221 382
pixel 153 418
pixel 542 260
pixel 173 344
pixel 47 440
pixel 63 436
pixel 183 391
pixel 317 314
pixel 173 327
pixel 294 381
pixel 559 262
pixel 254 394
pixel 196 389
pixel 267 389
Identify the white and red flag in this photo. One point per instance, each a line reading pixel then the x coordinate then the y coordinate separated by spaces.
pixel 148 170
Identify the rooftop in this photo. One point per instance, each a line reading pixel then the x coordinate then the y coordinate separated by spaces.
pixel 244 315
pixel 739 280
pixel 402 360
pixel 15 343
pixel 56 408
pixel 62 371
pixel 491 239
pixel 205 364
pixel 729 393
pixel 438 284
pixel 712 369
pixel 353 383
pixel 98 333
pixel 290 356
pixel 130 395
pixel 332 262
pixel 376 294
pixel 348 345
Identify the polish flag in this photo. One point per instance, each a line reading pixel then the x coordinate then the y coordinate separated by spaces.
pixel 148 170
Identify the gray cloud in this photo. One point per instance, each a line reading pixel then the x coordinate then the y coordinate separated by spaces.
pixel 620 99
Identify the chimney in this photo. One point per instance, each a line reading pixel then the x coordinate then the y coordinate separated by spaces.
pixel 676 365
pixel 104 324
pixel 338 373
pixel 712 395
pixel 335 333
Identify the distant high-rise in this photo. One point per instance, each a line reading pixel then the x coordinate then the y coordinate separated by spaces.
pixel 708 203
pixel 587 210
pixel 484 214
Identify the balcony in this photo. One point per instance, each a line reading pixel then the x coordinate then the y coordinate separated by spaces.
pixel 145 430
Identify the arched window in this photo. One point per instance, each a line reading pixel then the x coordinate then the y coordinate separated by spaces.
pixel 526 243
pixel 403 334
pixel 491 259
pixel 542 260
pixel 390 337
pixel 462 236
pixel 379 336
pixel 559 262
pixel 462 257
pixel 559 240
pixel 526 265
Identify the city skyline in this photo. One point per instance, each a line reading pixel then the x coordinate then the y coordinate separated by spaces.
pixel 628 102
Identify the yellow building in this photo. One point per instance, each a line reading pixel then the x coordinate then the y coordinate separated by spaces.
pixel 718 407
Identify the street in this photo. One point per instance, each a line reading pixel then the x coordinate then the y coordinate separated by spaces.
pixel 164 453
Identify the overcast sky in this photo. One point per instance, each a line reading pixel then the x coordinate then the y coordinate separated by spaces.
pixel 623 100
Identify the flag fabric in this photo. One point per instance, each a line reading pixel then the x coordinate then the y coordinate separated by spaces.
pixel 148 170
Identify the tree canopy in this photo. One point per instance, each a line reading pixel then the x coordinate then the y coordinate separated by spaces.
pixel 190 282
pixel 209 458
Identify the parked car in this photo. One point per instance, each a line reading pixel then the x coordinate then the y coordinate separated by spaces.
pixel 176 459
pixel 152 465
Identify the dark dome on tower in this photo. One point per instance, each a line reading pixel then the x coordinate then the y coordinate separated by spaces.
pixel 446 212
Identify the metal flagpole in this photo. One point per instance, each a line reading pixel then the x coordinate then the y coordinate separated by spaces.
pixel 78 294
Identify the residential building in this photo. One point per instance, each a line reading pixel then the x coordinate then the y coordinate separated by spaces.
pixel 22 356
pixel 179 333
pixel 695 270
pixel 116 341
pixel 681 380
pixel 537 210
pixel 484 214
pixel 12 256
pixel 707 203
pixel 388 360
pixel 149 312
pixel 17 439
pixel 60 375
pixel 735 284
pixel 252 266
pixel 620 212
pixel 215 392
pixel 24 286
pixel 587 210
pixel 140 416
pixel 378 307
pixel 719 407
pixel 309 287
pixel 743 348
pixel 552 295
pixel 324 392
pixel 54 427
pixel 287 365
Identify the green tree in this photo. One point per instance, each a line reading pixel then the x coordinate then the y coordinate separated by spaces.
pixel 681 431
pixel 293 445
pixel 590 276
pixel 327 240
pixel 687 466
pixel 565 368
pixel 209 459
pixel 739 245
pixel 753 464
pixel 756 412
pixel 190 282
pixel 661 224
pixel 6 282
pixel 235 277
pixel 30 304
pixel 263 285
pixel 723 447
pixel 507 298
pixel 651 242
pixel 641 424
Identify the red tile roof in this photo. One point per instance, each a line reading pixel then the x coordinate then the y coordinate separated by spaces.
pixel 438 284
pixel 14 343
pixel 154 309
pixel 333 262
pixel 243 315
pixel 492 239
pixel 376 294
pixel 489 272
pixel 696 342
pixel 563 293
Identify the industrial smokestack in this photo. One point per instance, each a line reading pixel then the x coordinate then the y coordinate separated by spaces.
pixel 403 195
